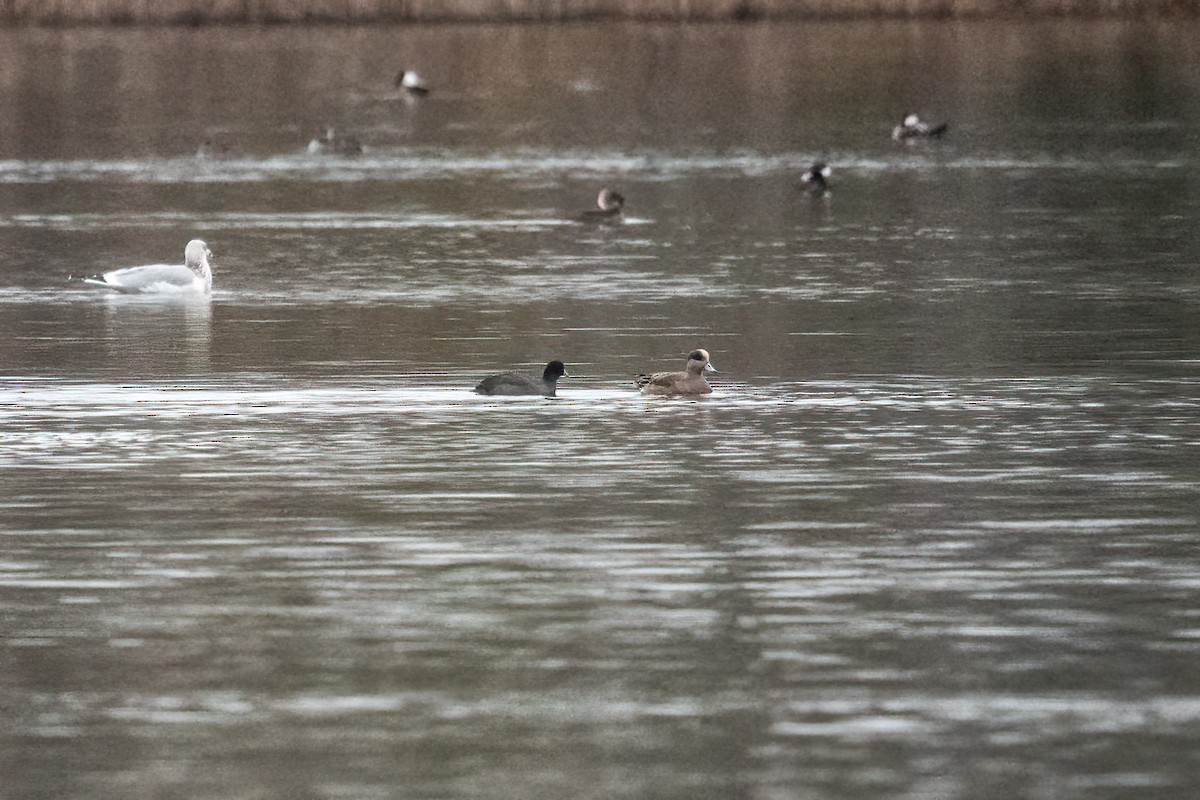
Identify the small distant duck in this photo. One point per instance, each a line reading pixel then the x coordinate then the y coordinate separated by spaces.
pixel 520 383
pixel 610 204
pixel 334 144
pixel 214 148
pixel 411 82
pixel 817 178
pixel 690 381
pixel 913 127
pixel 192 277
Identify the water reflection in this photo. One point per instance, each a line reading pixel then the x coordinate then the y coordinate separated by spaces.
pixel 176 330
pixel 466 583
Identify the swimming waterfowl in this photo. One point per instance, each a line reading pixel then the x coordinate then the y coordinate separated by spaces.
pixel 690 381
pixel 214 148
pixel 334 144
pixel 192 277
pixel 914 127
pixel 817 178
pixel 411 82
pixel 610 204
pixel 520 383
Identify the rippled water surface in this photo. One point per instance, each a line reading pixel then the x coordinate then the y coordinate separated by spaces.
pixel 934 534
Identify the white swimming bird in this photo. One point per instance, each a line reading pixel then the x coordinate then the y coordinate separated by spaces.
pixel 192 277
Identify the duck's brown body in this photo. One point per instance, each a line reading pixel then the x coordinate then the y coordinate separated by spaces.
pixel 690 381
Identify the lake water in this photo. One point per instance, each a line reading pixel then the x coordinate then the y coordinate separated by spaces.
pixel 934 535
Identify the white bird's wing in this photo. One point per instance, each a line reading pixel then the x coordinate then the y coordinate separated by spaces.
pixel 149 278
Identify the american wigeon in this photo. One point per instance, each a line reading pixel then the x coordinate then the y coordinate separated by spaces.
pixel 817 178
pixel 411 82
pixel 193 276
pixel 609 204
pixel 690 381
pixel 913 127
pixel 516 383
pixel 333 143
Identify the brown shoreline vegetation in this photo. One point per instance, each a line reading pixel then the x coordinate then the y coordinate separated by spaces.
pixel 355 12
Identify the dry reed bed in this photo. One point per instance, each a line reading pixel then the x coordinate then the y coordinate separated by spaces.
pixel 199 12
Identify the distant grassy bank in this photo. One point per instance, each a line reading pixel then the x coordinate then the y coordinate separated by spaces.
pixel 205 12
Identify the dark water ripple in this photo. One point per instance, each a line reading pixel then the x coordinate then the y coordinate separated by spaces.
pixel 534 570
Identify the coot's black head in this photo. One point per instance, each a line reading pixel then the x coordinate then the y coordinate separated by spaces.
pixel 554 370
